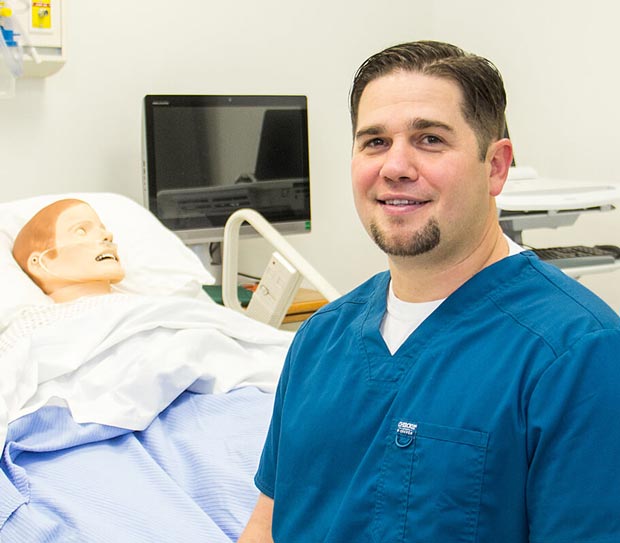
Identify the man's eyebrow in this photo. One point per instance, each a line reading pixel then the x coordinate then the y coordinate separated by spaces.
pixel 425 124
pixel 415 124
pixel 374 130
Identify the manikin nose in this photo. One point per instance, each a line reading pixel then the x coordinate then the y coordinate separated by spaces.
pixel 107 235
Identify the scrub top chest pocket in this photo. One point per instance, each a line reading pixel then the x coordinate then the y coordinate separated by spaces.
pixel 429 484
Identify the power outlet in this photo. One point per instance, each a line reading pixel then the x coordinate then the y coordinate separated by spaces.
pixel 275 292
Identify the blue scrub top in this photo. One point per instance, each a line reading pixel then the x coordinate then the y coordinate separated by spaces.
pixel 495 422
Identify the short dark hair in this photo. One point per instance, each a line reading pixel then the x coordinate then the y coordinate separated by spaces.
pixel 481 84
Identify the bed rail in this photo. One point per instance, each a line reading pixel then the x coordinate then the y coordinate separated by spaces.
pixel 230 260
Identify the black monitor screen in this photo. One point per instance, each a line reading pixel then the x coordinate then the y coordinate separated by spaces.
pixel 207 156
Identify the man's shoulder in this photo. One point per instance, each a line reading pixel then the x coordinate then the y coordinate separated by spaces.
pixel 354 302
pixel 361 294
pixel 541 296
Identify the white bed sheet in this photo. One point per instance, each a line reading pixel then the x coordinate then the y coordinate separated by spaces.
pixel 119 359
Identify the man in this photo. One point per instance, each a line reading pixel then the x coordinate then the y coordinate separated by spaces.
pixel 68 252
pixel 470 394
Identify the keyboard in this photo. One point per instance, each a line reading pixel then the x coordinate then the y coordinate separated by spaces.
pixel 579 255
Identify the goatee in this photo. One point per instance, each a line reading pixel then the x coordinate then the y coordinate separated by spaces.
pixel 419 242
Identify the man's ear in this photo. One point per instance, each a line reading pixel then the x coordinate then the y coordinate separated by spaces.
pixel 499 156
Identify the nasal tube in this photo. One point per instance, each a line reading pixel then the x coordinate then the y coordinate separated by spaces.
pixel 57 248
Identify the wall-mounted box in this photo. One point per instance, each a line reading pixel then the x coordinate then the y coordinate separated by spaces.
pixel 42 25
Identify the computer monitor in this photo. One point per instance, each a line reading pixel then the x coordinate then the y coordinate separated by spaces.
pixel 205 156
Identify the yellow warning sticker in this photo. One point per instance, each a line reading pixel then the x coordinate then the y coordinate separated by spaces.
pixel 42 15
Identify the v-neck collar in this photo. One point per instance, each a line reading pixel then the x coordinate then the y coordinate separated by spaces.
pixel 383 366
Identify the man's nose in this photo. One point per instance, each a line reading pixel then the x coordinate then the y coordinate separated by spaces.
pixel 400 163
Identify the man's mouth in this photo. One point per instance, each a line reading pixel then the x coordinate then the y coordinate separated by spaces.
pixel 402 202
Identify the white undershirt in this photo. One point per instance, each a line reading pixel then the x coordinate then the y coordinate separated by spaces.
pixel 402 318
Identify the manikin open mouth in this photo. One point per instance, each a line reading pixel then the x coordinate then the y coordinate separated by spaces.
pixel 106 256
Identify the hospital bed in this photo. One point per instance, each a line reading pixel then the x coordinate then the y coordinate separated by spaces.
pixel 134 416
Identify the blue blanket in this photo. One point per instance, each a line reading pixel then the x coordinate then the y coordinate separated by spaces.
pixel 187 477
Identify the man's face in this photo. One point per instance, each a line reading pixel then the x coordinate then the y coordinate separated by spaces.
pixel 419 185
pixel 84 250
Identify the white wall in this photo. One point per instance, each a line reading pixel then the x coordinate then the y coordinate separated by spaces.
pixel 80 129
pixel 560 66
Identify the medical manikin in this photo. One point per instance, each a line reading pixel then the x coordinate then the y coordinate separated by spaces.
pixel 68 252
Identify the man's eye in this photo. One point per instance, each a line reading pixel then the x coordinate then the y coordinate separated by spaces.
pixel 431 140
pixel 80 231
pixel 375 142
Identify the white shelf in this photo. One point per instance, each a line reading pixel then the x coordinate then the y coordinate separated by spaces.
pixel 579 271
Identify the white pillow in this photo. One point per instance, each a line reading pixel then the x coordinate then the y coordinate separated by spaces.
pixel 155 260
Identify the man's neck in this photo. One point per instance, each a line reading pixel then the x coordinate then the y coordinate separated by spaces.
pixel 424 278
pixel 79 290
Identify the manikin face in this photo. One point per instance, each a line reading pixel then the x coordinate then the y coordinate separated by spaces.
pixel 84 252
pixel 419 185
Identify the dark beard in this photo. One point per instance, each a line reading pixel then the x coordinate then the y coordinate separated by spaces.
pixel 420 242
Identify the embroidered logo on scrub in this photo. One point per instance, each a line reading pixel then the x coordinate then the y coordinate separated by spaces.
pixel 405 433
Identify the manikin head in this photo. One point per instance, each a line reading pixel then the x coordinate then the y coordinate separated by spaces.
pixel 68 252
